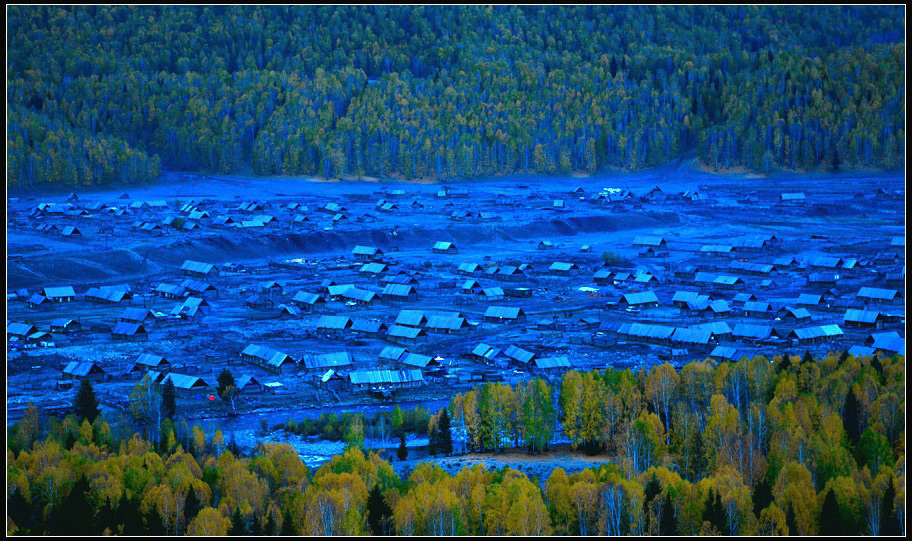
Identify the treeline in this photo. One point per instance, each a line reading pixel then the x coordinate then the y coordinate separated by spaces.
pixel 796 446
pixel 773 439
pixel 448 92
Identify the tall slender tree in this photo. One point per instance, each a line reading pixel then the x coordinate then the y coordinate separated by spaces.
pixel 86 402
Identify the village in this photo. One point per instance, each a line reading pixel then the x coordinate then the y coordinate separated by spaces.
pixel 364 293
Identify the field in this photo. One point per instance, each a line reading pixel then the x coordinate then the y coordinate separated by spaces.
pixel 499 221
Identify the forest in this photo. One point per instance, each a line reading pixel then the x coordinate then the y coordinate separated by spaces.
pixel 105 94
pixel 792 445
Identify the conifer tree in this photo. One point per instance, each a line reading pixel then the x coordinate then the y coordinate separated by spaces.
pixel 669 523
pixel 830 517
pixel 889 522
pixel 378 512
pixel 762 496
pixel 444 434
pixel 402 451
pixel 790 521
pixel 850 417
pixel 169 400
pixel 86 402
pixel 237 523
pixel 288 527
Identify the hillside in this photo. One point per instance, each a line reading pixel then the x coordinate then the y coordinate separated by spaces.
pixel 104 94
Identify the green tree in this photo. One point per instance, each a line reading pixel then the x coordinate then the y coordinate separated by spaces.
pixel 169 400
pixel 444 434
pixel 227 389
pixel 86 403
pixel 831 523
pixel 237 523
pixel 890 524
pixel 668 525
pixel 378 512
pixel 402 451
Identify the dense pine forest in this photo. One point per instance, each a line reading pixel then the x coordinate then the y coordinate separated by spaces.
pixel 103 94
pixel 793 446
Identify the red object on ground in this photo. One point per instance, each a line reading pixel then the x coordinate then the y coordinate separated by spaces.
pixel 211 397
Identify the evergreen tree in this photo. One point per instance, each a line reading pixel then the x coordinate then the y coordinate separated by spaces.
pixel 889 521
pixel 86 402
pixel 652 489
pixel 129 516
pixel 843 357
pixel 444 434
pixel 713 512
pixel 830 517
pixel 288 527
pixel 74 516
pixel 256 528
pixel 785 363
pixel 402 451
pixel 192 506
pixel 270 527
pixel 169 400
pixel 850 417
pixel 378 512
pixel 237 523
pixel 790 521
pixel 877 365
pixel 19 511
pixel 669 523
pixel 762 496
pixel 227 388
pixel 808 358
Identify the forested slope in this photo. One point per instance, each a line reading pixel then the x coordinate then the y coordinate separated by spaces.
pixel 103 93
pixel 798 446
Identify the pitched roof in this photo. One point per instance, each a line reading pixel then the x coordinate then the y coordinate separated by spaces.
pixel 392 353
pixel 649 241
pixel 398 290
pixel 365 250
pixel 128 329
pixel 54 292
pixel 414 318
pixel 367 325
pixel 82 368
pixel 183 381
pixel 306 298
pixel 400 331
pixel 644 297
pixel 415 359
pixel 373 268
pixel 505 312
pixel 328 360
pixel 692 336
pixel 685 296
pixel 196 266
pixel 270 356
pixel 726 352
pixel 561 266
pixel 861 316
pixel 809 299
pixel 333 322
pixel 358 294
pixel 818 331
pixel 877 293
pixel 519 354
pixel 756 306
pixel 373 377
pixel 452 323
pixel 747 330
pixel 545 363
pixel 150 360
